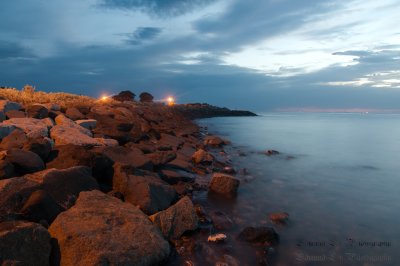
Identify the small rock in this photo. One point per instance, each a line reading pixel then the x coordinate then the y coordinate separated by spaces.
pixel 214 141
pixel 271 152
pixel 216 238
pixel 279 217
pixel 203 157
pixel 224 184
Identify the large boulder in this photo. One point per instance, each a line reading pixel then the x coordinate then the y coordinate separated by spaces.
pixel 24 243
pixel 16 139
pixel 61 185
pixel 150 193
pixel 129 156
pixel 224 184
pixel 66 156
pixel 37 111
pixel 25 162
pixel 40 146
pixel 33 128
pixel 62 120
pixel 177 219
pixel 102 230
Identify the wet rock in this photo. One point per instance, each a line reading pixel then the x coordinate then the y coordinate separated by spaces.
pixel 217 238
pixel 177 219
pixel 271 152
pixel 202 157
pixel 73 113
pixel 6 169
pixel 33 128
pixel 229 170
pixel 40 206
pixel 214 141
pixel 37 111
pixel 150 193
pixel 102 230
pixel 25 162
pixel 24 243
pixel 87 123
pixel 161 158
pixel 279 217
pixel 221 221
pixel 224 184
pixel 259 235
pixel 15 114
pixel 67 156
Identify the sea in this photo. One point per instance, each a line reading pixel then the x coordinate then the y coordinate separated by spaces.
pixel 337 175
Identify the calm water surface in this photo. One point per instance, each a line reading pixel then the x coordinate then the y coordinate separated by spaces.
pixel 338 176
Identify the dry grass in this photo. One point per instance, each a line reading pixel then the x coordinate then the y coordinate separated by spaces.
pixel 28 95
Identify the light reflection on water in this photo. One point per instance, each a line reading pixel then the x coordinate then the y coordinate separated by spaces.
pixel 340 189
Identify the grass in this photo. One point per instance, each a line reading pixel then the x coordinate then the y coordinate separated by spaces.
pixel 28 95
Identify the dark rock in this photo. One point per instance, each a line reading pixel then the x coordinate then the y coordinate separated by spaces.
pixel 146 97
pixel 74 114
pixel 124 96
pixel 15 114
pixel 150 193
pixel 224 184
pixel 221 221
pixel 259 235
pixel 65 185
pixel 37 111
pixel 40 206
pixel 174 176
pixel 24 243
pixel 25 162
pixel 271 152
pixel 177 219
pixel 67 156
pixel 161 158
pixel 102 230
pixel 40 146
pixel 6 169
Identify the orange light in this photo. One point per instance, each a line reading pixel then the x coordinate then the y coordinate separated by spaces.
pixel 171 101
pixel 104 98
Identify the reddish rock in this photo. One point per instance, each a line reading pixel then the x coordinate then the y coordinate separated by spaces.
pixel 25 162
pixel 102 230
pixel 133 156
pixel 224 184
pixel 37 111
pixel 279 217
pixel 74 113
pixel 174 176
pixel 161 158
pixel 177 219
pixel 214 141
pixel 15 114
pixel 202 157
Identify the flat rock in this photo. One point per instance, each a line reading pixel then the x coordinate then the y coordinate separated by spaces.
pixel 102 230
pixel 64 135
pixel 87 123
pixel 177 219
pixel 224 184
pixel 174 176
pixel 33 128
pixel 25 162
pixel 150 193
pixel 24 243
pixel 62 120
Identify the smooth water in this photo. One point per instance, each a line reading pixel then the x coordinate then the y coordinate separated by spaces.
pixel 337 175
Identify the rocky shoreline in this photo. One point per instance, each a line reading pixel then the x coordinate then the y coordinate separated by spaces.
pixel 113 184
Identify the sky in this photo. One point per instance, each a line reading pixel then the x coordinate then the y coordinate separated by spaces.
pixel 262 55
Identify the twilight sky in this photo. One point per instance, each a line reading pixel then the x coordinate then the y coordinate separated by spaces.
pixel 255 54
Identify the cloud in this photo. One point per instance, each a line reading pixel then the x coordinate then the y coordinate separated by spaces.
pixel 12 50
pixel 161 8
pixel 142 34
